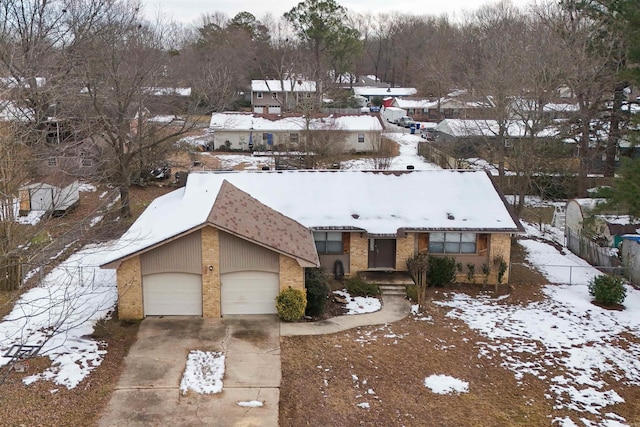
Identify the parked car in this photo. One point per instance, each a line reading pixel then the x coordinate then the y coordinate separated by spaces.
pixel 404 121
pixel 162 171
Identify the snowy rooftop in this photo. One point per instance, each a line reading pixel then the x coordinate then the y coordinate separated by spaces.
pixel 380 203
pixel 414 103
pixel 487 128
pixel 250 121
pixel 283 86
pixel 168 91
pixel 384 91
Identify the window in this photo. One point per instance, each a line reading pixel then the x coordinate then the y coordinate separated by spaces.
pixel 85 161
pixel 360 137
pixel 274 95
pixel 259 95
pixel 452 243
pixel 293 138
pixel 52 161
pixel 329 242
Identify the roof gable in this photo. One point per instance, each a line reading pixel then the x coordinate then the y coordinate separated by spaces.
pixel 238 213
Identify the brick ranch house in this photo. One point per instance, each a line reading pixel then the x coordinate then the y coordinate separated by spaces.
pixel 228 242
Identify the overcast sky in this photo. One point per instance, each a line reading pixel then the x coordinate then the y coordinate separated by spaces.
pixel 188 11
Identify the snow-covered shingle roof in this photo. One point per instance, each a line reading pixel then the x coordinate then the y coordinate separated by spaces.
pixel 379 203
pixel 282 86
pixel 256 122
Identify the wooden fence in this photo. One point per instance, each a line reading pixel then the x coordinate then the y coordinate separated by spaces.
pixel 590 251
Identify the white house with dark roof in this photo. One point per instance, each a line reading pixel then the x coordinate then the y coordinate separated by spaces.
pixel 228 242
pixel 248 131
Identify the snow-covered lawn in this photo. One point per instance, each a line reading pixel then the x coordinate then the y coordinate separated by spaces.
pixel 445 384
pixel 408 146
pixel 563 339
pixel 359 305
pixel 60 315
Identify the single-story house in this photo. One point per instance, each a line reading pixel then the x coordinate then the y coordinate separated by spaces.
pixel 372 91
pixel 277 96
pixel 414 106
pixel 248 131
pixel 228 242
pixel 55 194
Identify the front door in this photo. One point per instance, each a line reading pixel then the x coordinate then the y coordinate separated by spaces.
pixel 382 253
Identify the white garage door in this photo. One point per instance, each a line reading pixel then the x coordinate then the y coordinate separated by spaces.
pixel 275 109
pixel 249 292
pixel 172 294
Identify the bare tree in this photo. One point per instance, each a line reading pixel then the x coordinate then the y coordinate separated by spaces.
pixel 117 72
pixel 587 74
pixel 493 34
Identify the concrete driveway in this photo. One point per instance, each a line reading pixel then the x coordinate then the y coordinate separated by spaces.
pixel 148 391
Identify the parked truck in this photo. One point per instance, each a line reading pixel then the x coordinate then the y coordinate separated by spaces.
pixel 392 114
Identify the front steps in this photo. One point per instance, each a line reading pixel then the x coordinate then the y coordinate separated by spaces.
pixel 395 290
pixel 389 282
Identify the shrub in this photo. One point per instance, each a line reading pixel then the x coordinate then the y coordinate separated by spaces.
pixel 607 290
pixel 317 284
pixel 471 272
pixel 502 267
pixel 358 287
pixel 291 304
pixel 412 292
pixel 441 271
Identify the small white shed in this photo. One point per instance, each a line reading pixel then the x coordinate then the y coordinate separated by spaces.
pixel 54 195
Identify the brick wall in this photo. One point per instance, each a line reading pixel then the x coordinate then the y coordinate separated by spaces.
pixel 291 274
pixel 210 278
pixel 405 248
pixel 359 253
pixel 130 290
pixel 500 246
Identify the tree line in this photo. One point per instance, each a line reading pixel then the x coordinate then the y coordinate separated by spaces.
pixel 98 64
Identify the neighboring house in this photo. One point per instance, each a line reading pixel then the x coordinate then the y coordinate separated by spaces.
pixel 76 158
pixel 278 96
pixel 413 106
pixel 228 242
pixel 55 194
pixel 456 130
pixel 605 229
pixel 383 92
pixel 247 131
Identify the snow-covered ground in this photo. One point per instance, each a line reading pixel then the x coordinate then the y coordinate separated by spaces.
pixel 408 146
pixel 564 333
pixel 60 316
pixel 444 384
pixel 359 305
pixel 203 373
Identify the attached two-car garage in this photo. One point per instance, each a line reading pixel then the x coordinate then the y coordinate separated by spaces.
pixel 172 276
pixel 180 294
